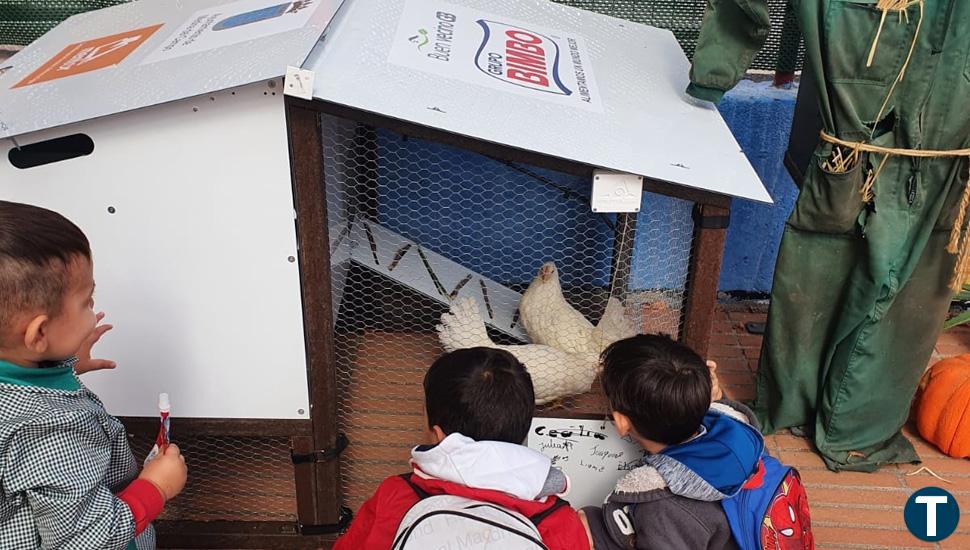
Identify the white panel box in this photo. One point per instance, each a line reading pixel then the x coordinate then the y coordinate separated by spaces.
pixel 189 210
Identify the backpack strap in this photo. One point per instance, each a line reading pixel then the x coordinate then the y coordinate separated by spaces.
pixel 538 518
pixel 422 494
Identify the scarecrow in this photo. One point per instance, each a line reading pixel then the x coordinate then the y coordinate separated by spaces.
pixel 877 238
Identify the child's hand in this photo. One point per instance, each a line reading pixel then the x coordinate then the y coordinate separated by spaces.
pixel 716 393
pixel 167 472
pixel 84 361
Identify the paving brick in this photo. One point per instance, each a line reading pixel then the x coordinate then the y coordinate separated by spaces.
pixel 750 341
pixel 893 499
pixel 739 393
pixel 806 459
pixel 843 537
pixel 787 441
pixel 735 378
pixel 857 515
pixel 724 339
pixel 851 480
pixel 956 542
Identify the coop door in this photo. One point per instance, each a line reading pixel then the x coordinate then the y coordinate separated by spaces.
pixel 416 227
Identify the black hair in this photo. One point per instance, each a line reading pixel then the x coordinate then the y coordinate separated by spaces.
pixel 37 247
pixel 662 386
pixel 482 393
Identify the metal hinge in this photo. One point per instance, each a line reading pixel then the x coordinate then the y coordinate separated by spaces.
pixel 346 515
pixel 325 455
pixel 711 222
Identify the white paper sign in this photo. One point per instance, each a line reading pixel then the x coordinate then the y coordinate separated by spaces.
pixel 590 452
pixel 496 52
pixel 233 23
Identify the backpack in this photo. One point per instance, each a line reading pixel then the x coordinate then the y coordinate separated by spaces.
pixel 447 521
pixel 771 510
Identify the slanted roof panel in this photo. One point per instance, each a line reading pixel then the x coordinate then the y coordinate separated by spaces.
pixel 153 51
pixel 538 76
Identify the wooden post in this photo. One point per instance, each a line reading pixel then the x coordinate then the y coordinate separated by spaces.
pixel 310 203
pixel 710 230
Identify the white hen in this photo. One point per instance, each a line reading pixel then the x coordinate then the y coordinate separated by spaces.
pixel 554 372
pixel 550 320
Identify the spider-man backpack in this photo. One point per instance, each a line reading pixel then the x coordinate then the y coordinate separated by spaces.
pixel 771 511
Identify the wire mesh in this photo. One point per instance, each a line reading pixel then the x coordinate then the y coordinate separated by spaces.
pixel 231 478
pixel 418 229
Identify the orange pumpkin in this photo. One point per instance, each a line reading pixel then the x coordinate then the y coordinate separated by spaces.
pixel 943 406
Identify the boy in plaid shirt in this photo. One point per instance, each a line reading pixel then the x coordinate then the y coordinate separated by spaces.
pixel 68 479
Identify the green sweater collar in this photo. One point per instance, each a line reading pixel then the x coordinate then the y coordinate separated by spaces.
pixel 59 377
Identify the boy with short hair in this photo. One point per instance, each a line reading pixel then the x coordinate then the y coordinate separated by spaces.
pixel 479 404
pixel 699 458
pixel 69 479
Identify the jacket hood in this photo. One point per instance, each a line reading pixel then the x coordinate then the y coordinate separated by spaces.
pixel 493 465
pixel 712 466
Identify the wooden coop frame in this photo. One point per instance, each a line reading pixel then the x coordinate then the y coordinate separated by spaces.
pixel 315 443
pixel 711 218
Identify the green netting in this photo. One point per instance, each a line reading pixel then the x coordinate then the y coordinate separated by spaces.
pixel 22 21
pixel 683 17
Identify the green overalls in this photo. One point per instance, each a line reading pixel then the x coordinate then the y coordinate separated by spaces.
pixel 861 288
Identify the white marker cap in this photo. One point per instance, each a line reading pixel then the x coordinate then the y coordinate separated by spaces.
pixel 163 403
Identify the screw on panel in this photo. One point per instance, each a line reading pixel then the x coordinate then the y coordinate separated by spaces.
pixel 291 259
pixel 111 210
pixel 195 109
pixel 272 84
pixel 300 411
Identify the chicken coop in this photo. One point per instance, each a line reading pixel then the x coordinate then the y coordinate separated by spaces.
pixel 295 207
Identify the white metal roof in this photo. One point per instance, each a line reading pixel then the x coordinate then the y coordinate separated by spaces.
pixel 149 52
pixel 538 76
pixel 531 74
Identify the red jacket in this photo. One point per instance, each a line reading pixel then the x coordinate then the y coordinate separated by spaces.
pixel 377 521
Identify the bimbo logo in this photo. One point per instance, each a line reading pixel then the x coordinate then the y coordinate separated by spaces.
pixel 520 57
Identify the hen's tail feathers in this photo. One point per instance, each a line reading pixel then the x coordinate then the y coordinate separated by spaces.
pixel 613 326
pixel 462 327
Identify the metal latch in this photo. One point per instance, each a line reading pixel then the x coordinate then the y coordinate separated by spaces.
pixel 325 455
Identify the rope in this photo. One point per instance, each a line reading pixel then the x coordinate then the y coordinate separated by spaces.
pixel 841 161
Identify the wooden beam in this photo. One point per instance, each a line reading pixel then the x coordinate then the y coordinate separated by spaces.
pixel 310 203
pixel 710 231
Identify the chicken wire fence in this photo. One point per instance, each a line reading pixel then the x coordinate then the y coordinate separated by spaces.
pixel 418 229
pixel 231 478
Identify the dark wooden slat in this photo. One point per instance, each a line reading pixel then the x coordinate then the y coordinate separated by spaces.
pixel 310 202
pixel 186 535
pixel 229 427
pixel 305 480
pixel 702 279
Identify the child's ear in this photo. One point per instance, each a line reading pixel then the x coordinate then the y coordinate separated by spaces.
pixel 35 337
pixel 622 422
pixel 437 434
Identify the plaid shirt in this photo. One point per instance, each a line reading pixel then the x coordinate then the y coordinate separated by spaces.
pixel 62 458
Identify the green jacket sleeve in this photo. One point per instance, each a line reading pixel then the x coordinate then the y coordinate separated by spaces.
pixel 732 33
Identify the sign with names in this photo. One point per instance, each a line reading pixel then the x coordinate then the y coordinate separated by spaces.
pixel 590 452
pixel 496 52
